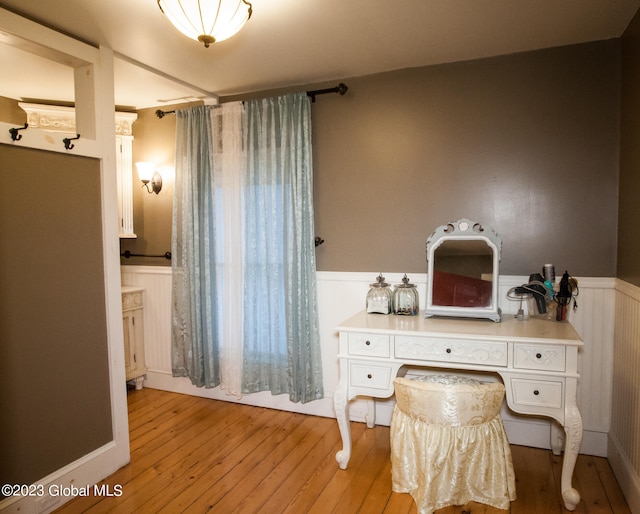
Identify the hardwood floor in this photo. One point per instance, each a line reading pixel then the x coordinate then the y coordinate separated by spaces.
pixel 197 455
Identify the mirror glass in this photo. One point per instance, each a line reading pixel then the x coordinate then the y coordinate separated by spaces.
pixel 463 271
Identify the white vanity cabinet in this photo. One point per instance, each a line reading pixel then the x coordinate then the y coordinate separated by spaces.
pixel 133 335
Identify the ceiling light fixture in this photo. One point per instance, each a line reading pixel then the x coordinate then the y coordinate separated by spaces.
pixel 207 21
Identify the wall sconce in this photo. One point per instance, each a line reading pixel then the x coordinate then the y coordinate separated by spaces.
pixel 147 174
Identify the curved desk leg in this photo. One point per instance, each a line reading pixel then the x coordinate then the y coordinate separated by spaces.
pixel 573 430
pixel 370 418
pixel 341 404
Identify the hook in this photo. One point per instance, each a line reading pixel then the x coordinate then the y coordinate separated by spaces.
pixel 14 132
pixel 318 241
pixel 67 141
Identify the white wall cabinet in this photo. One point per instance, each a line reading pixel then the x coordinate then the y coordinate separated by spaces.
pixel 132 322
pixel 124 169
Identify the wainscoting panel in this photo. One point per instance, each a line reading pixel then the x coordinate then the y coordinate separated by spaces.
pixel 624 436
pixel 156 281
pixel 341 295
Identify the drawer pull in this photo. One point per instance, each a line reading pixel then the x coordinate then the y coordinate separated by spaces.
pixel 536 392
pixel 368 343
pixel 538 356
pixel 369 375
pixel 448 350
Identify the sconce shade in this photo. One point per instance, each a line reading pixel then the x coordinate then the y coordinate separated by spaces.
pixel 145 170
pixel 147 174
pixel 207 21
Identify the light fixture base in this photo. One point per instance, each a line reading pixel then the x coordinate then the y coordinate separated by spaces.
pixel 207 40
pixel 155 182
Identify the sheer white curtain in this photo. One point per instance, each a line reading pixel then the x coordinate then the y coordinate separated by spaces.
pixel 228 170
pixel 245 301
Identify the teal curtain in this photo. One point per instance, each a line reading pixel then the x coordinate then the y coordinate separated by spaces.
pixel 278 349
pixel 194 342
pixel 281 336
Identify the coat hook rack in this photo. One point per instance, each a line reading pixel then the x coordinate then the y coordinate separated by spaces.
pixel 14 132
pixel 67 141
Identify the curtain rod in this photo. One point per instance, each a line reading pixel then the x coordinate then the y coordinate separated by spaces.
pixel 341 89
pixel 127 254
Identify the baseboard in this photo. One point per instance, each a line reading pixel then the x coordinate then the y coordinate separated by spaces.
pixel 157 379
pixel 625 474
pixel 77 478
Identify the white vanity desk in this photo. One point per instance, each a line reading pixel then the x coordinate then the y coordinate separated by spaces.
pixel 537 360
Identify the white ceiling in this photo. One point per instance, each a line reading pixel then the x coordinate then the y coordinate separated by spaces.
pixel 296 42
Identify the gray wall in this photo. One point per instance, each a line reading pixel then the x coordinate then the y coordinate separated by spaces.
pixel 629 219
pixel 154 141
pixel 526 143
pixel 54 366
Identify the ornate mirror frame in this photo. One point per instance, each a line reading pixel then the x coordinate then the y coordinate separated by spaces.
pixel 462 231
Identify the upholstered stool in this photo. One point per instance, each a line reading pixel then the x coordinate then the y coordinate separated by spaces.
pixel 448 444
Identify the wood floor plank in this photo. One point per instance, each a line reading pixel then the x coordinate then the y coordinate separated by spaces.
pixel 197 455
pixel 536 487
pixel 191 460
pixel 154 451
pixel 282 496
pixel 353 497
pixel 208 488
pixel 227 501
pixel 325 471
pixel 400 503
pixel 226 470
pixel 592 495
pixel 329 498
pixel 200 473
pixel 157 408
pixel 380 491
pixel 171 446
pixel 146 434
pixel 611 486
pixel 266 487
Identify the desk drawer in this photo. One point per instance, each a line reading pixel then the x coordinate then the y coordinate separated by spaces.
pixel 369 345
pixel 366 375
pixel 442 350
pixel 548 358
pixel 538 393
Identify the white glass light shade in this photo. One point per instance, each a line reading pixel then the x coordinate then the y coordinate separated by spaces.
pixel 207 21
pixel 145 171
